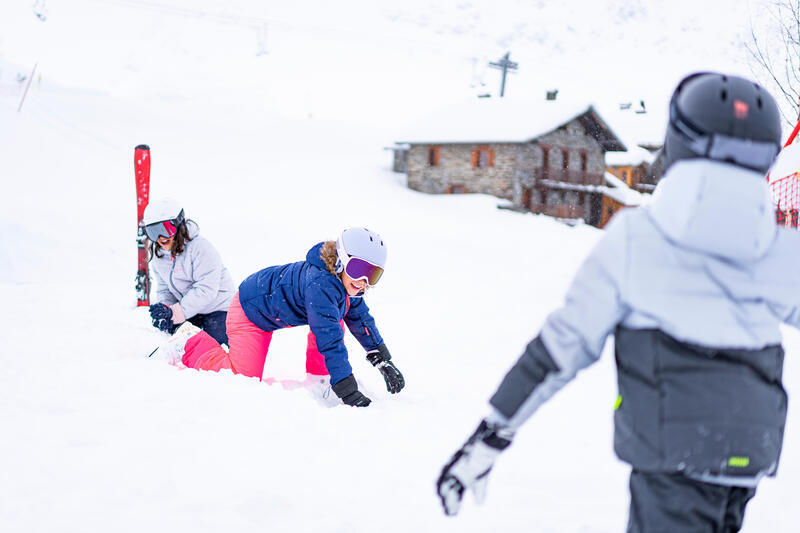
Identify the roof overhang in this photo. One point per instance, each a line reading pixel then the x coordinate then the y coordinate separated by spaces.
pixel 602 133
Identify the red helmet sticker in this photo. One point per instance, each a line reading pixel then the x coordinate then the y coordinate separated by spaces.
pixel 740 109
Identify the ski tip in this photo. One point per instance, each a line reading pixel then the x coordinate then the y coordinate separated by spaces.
pixel 142 147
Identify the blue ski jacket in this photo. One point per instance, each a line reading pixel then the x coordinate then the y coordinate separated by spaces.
pixel 306 293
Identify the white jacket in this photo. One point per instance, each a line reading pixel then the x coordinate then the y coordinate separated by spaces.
pixel 196 279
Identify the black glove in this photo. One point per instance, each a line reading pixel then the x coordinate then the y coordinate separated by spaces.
pixel 347 390
pixel 162 317
pixel 380 359
pixel 470 466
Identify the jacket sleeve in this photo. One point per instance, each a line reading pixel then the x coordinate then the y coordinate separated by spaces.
pixel 573 336
pixel 164 295
pixel 361 324
pixel 206 277
pixel 323 319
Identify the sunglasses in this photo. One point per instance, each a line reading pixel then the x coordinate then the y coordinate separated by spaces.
pixel 166 229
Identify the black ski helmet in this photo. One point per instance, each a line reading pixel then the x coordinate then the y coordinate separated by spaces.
pixel 724 118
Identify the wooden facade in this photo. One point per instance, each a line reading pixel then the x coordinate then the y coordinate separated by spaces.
pixel 641 177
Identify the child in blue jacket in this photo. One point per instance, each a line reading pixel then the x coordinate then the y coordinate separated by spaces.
pixel 325 292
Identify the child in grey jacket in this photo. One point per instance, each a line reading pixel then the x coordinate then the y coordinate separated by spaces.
pixel 688 287
pixel 193 283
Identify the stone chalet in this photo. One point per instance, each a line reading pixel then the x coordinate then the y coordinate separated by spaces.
pixel 545 156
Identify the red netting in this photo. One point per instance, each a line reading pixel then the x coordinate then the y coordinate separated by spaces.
pixel 786 199
pixel 784 182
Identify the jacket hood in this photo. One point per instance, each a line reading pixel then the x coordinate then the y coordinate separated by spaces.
pixel 315 258
pixel 192 228
pixel 715 208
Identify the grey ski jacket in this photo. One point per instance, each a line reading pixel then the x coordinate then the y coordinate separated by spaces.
pixel 696 285
pixel 196 279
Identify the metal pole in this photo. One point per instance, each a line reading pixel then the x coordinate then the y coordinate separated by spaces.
pixel 505 65
pixel 24 94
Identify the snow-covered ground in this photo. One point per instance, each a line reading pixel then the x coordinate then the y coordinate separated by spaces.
pixel 95 437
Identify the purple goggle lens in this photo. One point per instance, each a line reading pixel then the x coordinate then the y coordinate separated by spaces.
pixel 360 269
pixel 164 229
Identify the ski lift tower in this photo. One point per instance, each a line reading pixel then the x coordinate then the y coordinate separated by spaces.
pixel 504 64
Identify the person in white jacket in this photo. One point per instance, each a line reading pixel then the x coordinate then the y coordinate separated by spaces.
pixel 193 283
pixel 694 288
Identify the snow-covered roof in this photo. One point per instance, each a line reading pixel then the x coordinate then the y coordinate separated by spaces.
pixel 518 120
pixel 635 155
pixel 497 120
pixel 619 191
pixel 635 125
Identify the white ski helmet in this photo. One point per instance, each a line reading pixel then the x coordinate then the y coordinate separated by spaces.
pixel 368 250
pixel 161 210
pixel 162 218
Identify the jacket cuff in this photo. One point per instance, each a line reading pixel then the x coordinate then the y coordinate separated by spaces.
pixel 345 387
pixel 379 355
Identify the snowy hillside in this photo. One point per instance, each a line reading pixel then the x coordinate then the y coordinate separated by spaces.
pixel 271 154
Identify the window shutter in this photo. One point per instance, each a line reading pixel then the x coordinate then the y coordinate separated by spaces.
pixel 491 157
pixel 475 158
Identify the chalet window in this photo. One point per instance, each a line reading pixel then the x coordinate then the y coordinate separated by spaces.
pixel 433 156
pixel 584 162
pixel 564 159
pixel 571 198
pixel 553 198
pixel 545 157
pixel 483 156
pixel 625 176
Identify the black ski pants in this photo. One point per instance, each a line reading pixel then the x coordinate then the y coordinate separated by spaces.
pixel 673 503
pixel 213 324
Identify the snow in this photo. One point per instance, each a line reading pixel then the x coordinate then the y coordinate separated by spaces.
pixel 500 120
pixel 635 129
pixel 786 164
pixel 271 154
pixel 619 191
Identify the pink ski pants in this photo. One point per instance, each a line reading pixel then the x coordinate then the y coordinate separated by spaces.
pixel 248 345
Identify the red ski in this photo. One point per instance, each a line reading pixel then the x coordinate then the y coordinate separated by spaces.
pixel 141 165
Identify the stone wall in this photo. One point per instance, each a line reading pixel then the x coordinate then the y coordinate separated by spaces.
pixel 456 173
pixel 513 175
pixel 575 139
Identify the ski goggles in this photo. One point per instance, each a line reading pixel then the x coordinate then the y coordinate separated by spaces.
pixel 361 269
pixel 358 268
pixel 166 229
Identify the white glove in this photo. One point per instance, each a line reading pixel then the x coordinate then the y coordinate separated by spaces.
pixel 470 466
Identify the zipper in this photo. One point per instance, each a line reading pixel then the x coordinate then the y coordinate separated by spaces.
pixel 171 271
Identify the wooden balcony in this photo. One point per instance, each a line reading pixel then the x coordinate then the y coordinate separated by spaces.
pixel 559 211
pixel 577 177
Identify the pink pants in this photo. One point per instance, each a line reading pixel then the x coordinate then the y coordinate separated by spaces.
pixel 248 345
